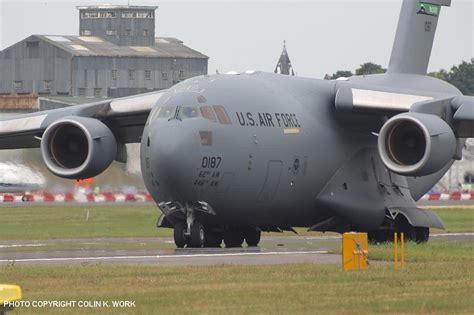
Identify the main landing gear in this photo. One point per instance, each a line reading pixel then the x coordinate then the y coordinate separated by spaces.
pixel 414 234
pixel 199 236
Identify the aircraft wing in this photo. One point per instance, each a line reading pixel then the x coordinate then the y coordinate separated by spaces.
pixel 455 110
pixel 126 118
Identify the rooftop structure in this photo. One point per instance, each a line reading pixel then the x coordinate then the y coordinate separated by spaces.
pixel 115 55
pixel 121 25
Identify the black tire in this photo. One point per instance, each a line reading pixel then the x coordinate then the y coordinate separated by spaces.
pixel 422 234
pixel 233 238
pixel 197 235
pixel 179 237
pixel 380 237
pixel 213 238
pixel 252 237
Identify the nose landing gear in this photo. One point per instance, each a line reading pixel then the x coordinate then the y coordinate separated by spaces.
pixel 200 236
pixel 189 232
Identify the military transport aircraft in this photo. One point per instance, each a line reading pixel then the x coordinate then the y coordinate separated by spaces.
pixel 228 156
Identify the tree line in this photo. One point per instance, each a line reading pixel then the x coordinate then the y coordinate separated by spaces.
pixel 461 76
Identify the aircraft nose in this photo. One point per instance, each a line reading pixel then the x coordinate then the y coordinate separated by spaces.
pixel 173 151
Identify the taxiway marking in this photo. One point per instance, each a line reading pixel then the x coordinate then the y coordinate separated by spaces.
pixel 452 234
pixel 161 256
pixel 22 245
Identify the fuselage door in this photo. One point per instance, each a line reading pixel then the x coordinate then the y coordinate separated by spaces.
pixel 272 181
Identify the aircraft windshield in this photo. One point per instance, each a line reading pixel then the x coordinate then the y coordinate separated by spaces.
pixel 170 112
pixel 212 113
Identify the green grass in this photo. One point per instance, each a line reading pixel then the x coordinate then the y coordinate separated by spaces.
pixel 438 276
pixel 70 222
pixel 438 279
pixel 457 219
pixel 433 251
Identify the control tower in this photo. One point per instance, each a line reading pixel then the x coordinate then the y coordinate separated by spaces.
pixel 122 25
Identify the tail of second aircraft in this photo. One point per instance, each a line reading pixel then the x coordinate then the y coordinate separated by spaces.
pixel 415 34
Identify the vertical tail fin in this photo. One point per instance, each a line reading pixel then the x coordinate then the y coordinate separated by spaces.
pixel 415 34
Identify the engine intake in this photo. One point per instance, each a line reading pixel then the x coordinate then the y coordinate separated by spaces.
pixel 416 144
pixel 78 147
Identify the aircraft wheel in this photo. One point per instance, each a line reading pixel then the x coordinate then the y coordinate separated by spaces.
pixel 233 238
pixel 380 237
pixel 212 238
pixel 252 237
pixel 179 237
pixel 422 234
pixel 197 235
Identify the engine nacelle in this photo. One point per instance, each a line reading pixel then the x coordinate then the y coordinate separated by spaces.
pixel 78 147
pixel 416 144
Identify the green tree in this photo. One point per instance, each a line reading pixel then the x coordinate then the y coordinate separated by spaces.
pixel 341 74
pixel 462 77
pixel 370 68
pixel 442 75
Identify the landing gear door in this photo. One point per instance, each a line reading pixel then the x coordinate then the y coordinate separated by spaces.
pixel 271 183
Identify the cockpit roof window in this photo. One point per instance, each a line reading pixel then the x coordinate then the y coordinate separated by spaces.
pixel 208 113
pixel 222 115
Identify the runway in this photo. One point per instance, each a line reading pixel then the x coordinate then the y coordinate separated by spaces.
pixel 273 250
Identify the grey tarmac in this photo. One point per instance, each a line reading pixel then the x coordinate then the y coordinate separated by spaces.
pixel 273 250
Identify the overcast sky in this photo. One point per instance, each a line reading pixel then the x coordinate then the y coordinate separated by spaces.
pixel 322 36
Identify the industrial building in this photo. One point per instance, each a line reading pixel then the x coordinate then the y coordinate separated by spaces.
pixel 115 55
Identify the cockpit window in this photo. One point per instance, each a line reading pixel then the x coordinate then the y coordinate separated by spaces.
pixel 167 112
pixel 208 113
pixel 189 112
pixel 170 112
pixel 212 113
pixel 222 115
pixel 154 114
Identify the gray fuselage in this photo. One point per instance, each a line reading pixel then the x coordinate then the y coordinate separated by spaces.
pixel 277 154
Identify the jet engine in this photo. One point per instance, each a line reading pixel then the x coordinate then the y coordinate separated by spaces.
pixel 416 144
pixel 78 147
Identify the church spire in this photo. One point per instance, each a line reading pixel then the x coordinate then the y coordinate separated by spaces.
pixel 284 64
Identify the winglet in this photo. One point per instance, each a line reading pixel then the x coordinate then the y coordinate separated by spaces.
pixel 415 34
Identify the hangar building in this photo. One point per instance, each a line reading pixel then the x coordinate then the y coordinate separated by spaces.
pixel 116 54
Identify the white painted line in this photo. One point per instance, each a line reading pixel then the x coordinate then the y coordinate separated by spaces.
pixel 452 234
pixel 22 245
pixel 161 257
pixel 318 238
pixel 244 254
pixel 74 258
